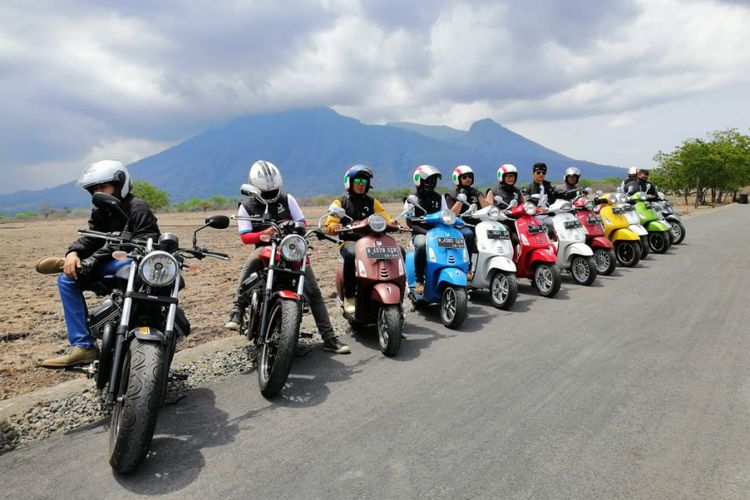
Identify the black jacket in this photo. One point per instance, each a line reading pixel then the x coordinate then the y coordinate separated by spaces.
pixel 566 191
pixel 431 201
pixel 142 223
pixel 472 196
pixel 358 207
pixel 641 185
pixel 506 193
pixel 548 190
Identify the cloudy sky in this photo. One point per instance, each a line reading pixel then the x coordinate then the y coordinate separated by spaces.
pixel 611 81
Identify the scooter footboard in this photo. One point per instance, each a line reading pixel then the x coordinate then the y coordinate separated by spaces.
pixel 386 293
pixel 451 276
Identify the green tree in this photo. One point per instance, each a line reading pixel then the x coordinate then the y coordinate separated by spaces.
pixel 155 197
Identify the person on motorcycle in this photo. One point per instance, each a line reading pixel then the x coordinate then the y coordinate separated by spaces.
pixel 88 259
pixel 505 192
pixel 641 184
pixel 632 176
pixel 359 206
pixel 463 178
pixel 545 191
pixel 282 207
pixel 567 190
pixel 425 179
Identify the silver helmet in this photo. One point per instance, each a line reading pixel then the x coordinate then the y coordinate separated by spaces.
pixel 104 172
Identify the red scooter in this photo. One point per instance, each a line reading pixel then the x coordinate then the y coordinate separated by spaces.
pixel 604 250
pixel 534 256
pixel 381 279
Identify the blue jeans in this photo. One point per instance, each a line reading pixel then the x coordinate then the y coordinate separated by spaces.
pixel 74 305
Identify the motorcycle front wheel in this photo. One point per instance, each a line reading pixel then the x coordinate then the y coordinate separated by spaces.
pixel 503 290
pixel 644 247
pixel 453 306
pixel 390 326
pixel 678 232
pixel 134 415
pixel 547 279
pixel 275 359
pixel 606 261
pixel 659 241
pixel 583 270
pixel 628 253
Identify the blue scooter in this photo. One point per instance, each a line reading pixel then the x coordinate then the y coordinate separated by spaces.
pixel 447 264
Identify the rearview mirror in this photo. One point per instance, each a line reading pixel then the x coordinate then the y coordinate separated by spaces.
pixel 462 198
pixel 412 198
pixel 249 190
pixel 513 203
pixel 105 201
pixel 218 221
pixel 336 210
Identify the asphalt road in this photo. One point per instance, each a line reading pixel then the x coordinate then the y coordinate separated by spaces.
pixel 636 387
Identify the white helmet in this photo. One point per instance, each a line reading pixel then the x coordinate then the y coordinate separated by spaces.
pixel 104 172
pixel 572 171
pixel 459 171
pixel 506 168
pixel 633 171
pixel 424 172
pixel 265 176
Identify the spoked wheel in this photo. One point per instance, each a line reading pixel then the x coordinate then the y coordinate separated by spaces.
pixel 628 253
pixel 503 290
pixel 606 261
pixel 678 232
pixel 389 329
pixel 583 270
pixel 547 279
pixel 453 306
pixel 134 415
pixel 658 241
pixel 275 359
pixel 644 247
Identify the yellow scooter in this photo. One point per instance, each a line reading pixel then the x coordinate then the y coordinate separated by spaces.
pixel 617 228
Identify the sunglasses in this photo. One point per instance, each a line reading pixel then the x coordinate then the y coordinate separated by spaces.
pixel 540 172
pixel 359 181
pixel 466 176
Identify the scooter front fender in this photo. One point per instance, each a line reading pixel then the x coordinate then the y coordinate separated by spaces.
pixel 542 255
pixel 148 333
pixel 451 276
pixel 624 234
pixel 386 293
pixel 502 263
pixel 601 242
pixel 674 218
pixel 656 226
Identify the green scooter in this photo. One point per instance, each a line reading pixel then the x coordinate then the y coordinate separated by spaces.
pixel 659 237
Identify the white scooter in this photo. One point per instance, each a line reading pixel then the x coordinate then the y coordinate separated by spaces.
pixel 573 254
pixel 494 269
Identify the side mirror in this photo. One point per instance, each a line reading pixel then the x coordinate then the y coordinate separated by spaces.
pixel 587 190
pixel 249 190
pixel 105 201
pixel 218 221
pixel 599 192
pixel 462 198
pixel 661 195
pixel 336 210
pixel 513 203
pixel 412 198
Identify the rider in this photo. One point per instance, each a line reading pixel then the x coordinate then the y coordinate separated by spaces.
pixel 87 259
pixel 545 191
pixel 282 207
pixel 567 190
pixel 463 178
pixel 358 206
pixel 505 192
pixel 632 176
pixel 425 179
pixel 642 184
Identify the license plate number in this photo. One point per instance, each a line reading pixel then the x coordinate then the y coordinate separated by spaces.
pixel 537 229
pixel 592 220
pixel 383 252
pixel 451 242
pixel 497 234
pixel 572 224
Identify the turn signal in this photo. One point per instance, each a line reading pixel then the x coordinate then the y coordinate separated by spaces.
pixel 119 255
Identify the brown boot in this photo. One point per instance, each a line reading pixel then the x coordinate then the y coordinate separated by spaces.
pixel 76 356
pixel 50 265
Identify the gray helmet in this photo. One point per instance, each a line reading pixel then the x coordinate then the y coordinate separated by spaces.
pixel 266 176
pixel 572 171
pixel 104 172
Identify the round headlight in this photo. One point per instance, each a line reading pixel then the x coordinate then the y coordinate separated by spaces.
pixel 293 247
pixel 448 217
pixel 377 223
pixel 566 207
pixel 158 268
pixel 589 205
pixel 493 212
pixel 529 208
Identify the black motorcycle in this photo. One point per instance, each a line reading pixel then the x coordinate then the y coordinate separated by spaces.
pixel 274 298
pixel 139 327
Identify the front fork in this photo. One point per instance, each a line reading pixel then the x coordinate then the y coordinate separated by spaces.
pixel 120 339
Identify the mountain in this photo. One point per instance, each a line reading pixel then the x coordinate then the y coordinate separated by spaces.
pixel 313 147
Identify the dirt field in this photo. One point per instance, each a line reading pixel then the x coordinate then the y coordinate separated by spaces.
pixel 31 320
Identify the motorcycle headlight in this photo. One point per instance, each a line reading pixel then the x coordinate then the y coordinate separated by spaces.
pixel 589 205
pixel 448 217
pixel 377 223
pixel 158 268
pixel 493 213
pixel 293 247
pixel 529 208
pixel 566 207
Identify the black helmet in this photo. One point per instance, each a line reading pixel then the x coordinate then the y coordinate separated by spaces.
pixel 539 167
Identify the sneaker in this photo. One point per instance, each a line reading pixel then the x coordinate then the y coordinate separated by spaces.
pixel 470 276
pixel 334 344
pixel 234 319
pixel 50 265
pixel 76 356
pixel 419 289
pixel 349 305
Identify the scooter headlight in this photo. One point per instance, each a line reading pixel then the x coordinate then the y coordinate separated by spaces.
pixel 293 247
pixel 589 205
pixel 529 208
pixel 566 207
pixel 493 213
pixel 158 268
pixel 448 217
pixel 377 223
